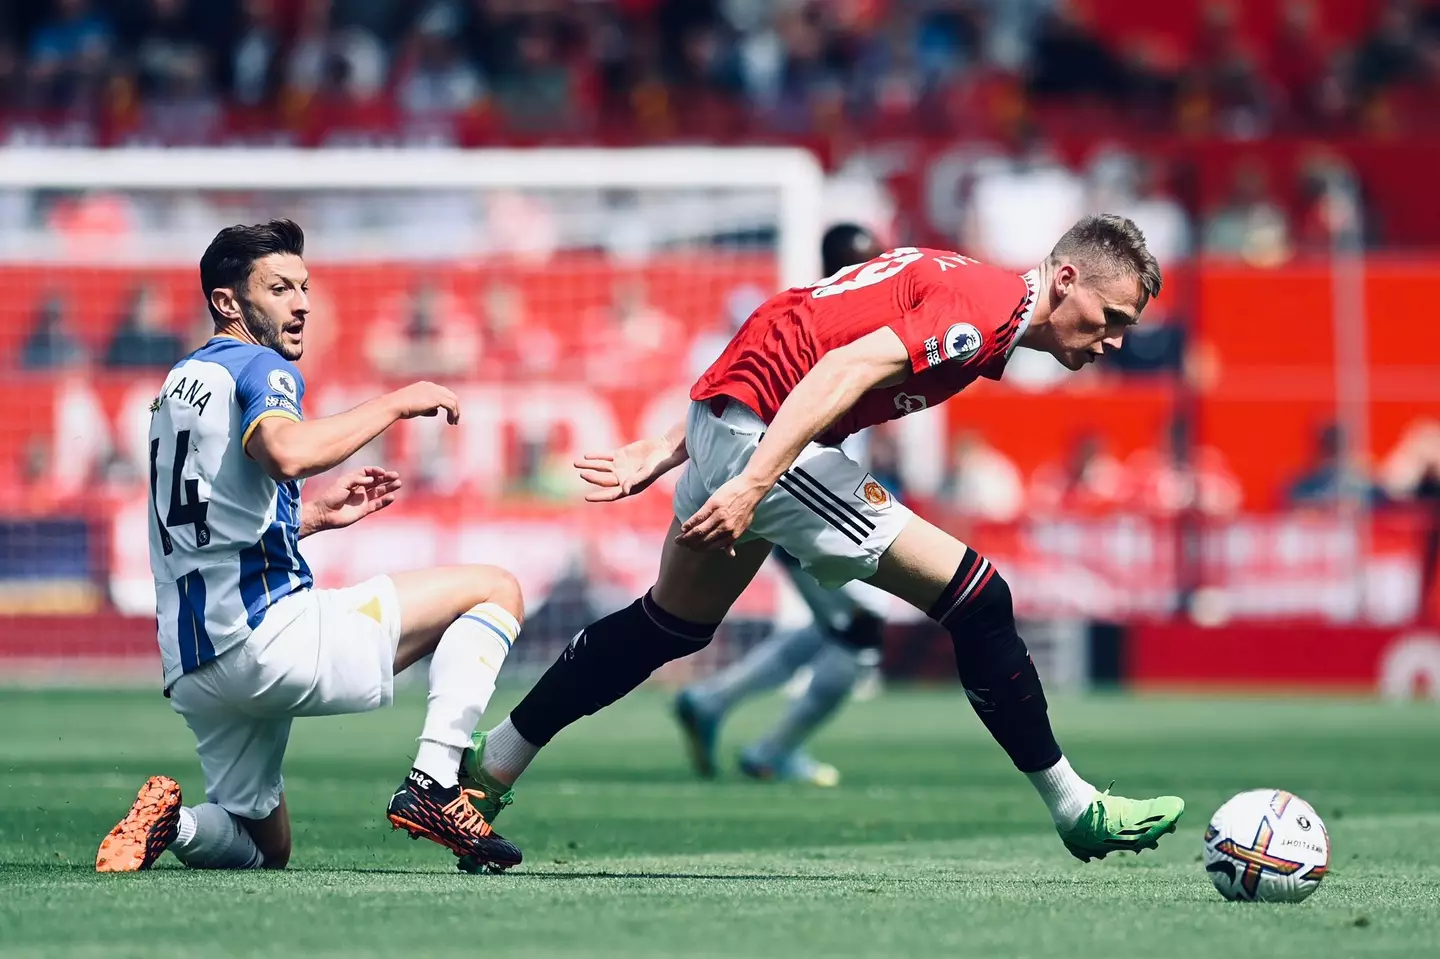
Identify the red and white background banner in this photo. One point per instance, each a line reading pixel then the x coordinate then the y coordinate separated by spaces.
pixel 1253 658
pixel 546 370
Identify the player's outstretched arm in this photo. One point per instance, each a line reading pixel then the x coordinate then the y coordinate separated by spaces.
pixel 630 469
pixel 834 385
pixel 288 449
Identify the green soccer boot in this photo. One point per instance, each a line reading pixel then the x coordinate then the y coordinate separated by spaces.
pixel 494 796
pixel 1115 823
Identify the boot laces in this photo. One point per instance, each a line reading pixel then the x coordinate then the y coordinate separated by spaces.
pixel 463 811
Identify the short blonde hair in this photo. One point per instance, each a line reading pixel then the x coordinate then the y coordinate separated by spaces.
pixel 1105 244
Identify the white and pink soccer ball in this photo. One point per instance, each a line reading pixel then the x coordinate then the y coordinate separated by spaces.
pixel 1267 845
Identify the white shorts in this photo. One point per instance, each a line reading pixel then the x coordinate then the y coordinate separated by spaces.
pixel 318 652
pixel 826 511
pixel 835 609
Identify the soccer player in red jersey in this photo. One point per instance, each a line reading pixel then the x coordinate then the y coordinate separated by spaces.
pixel 875 341
pixel 841 641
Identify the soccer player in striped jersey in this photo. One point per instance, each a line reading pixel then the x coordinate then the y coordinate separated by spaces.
pixel 842 639
pixel 888 338
pixel 246 641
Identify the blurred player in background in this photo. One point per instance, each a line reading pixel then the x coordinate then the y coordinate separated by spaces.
pixel 247 643
pixel 872 342
pixel 841 641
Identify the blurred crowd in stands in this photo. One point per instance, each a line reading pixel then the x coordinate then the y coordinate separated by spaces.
pixel 788 64
pixel 1011 75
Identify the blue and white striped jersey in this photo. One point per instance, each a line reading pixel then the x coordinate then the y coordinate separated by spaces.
pixel 223 535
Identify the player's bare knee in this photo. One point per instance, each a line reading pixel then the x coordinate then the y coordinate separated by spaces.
pixel 499 586
pixel 977 594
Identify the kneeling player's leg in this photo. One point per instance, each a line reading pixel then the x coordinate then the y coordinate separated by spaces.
pixel 245 824
pixel 209 837
pixel 962 592
pixel 612 656
pixel 466 618
pixel 272 835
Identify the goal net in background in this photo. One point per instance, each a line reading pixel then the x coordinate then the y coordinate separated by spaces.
pixel 569 296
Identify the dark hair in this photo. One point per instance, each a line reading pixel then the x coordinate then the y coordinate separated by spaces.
pixel 1106 243
pixel 231 256
pixel 846 244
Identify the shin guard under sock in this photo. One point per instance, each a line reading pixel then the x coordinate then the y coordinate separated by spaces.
pixel 995 667
pixel 603 662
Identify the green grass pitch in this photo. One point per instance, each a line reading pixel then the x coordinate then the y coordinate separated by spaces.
pixel 933 846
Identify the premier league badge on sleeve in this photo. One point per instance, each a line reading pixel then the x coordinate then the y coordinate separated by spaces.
pixel 283 383
pixel 962 341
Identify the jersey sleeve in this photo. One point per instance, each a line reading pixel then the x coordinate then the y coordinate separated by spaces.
pixel 269 385
pixel 965 330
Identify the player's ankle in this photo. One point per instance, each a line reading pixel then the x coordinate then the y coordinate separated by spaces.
pixel 185 829
pixel 507 754
pixel 1064 793
pixel 439 761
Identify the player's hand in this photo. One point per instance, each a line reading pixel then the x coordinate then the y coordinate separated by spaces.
pixel 353 497
pixel 628 470
pixel 427 399
pixel 725 516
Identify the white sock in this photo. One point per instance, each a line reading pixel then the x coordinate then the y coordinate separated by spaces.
pixel 507 753
pixel 185 832
pixel 1064 792
pixel 211 838
pixel 462 680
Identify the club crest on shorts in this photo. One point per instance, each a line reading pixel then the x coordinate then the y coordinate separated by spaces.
pixel 872 494
pixel 962 341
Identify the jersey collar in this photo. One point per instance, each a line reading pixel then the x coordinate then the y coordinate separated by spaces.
pixel 1032 287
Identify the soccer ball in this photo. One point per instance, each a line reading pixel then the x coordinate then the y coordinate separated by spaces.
pixel 1266 844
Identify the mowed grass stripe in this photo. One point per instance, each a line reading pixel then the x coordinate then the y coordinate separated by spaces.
pixel 933 846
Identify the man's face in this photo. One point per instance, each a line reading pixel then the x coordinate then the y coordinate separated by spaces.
pixel 276 302
pixel 1091 315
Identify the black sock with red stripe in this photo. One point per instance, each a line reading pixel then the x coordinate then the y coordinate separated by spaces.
pixel 995 667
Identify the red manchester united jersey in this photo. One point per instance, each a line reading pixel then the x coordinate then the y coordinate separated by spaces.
pixel 959 318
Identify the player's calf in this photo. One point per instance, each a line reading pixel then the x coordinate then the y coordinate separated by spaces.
pixel 463 672
pixel 467 618
pixel 994 665
pixel 211 838
pixel 834 671
pixel 604 662
pixel 1002 685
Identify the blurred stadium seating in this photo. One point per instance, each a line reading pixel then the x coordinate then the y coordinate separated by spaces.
pixel 1213 475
